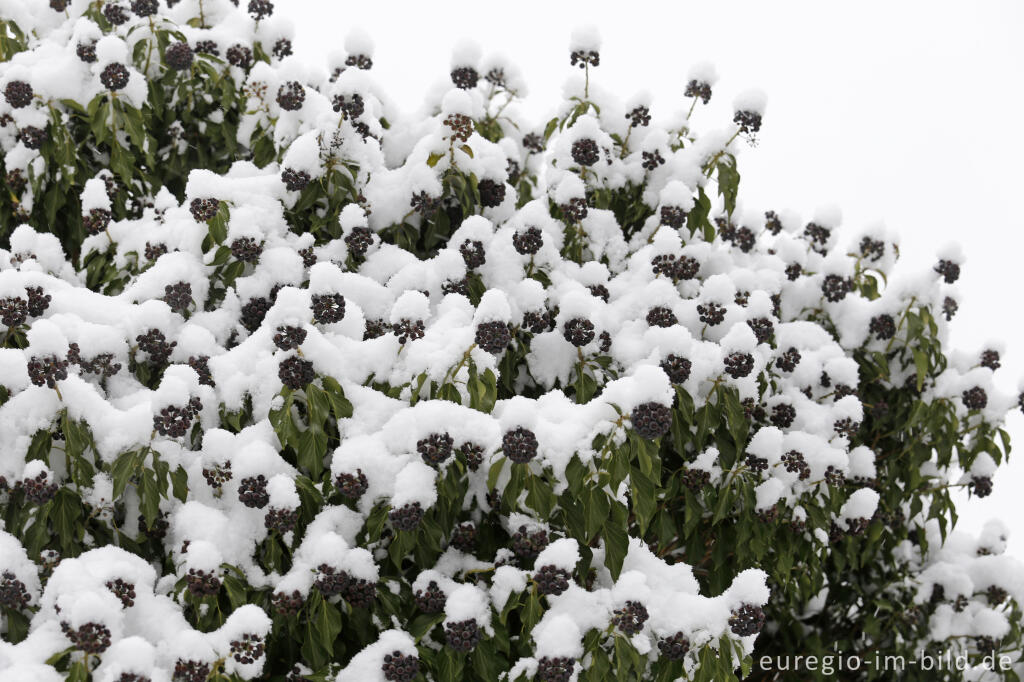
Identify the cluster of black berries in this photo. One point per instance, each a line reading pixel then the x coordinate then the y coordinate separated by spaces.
pixel 145 8
pixel 739 365
pixel 537 321
pixel 674 648
pixel 949 308
pixel 359 240
pixel 87 53
pixel 115 13
pixel 463 635
pixel 651 420
pixel 696 88
pixel 748 121
pixel 872 249
pixel 711 314
pixel 793 271
pixel 492 193
pixel 574 210
pixel 493 337
pixel 155 531
pixel 533 142
pixel 818 235
pixel 13 593
pixel 585 152
pixel 430 600
pixel 835 287
pixel 835 477
pixel 519 445
pixel 435 448
pixel 557 669
pixel 47 370
pixel 631 618
pixel 756 464
pixel 294 181
pixel 465 77
pixel 460 125
pixel 179 56
pixel 796 464
pixel 528 242
pixel 352 485
pixel 990 359
pixel 949 270
pixel 398 667
pixel 975 398
pixel 982 485
pixel 288 337
pixel 359 61
pixel 96 220
pixel 174 421
pixel 240 56
pixel 291 95
pixel 651 160
pixel 202 584
pixel 178 296
pixel 783 415
pixel 846 427
pixel 660 316
pixel 375 329
pixel 353 105
pixel 423 203
pixel 295 372
pixel 772 222
pixel 359 593
pixel 676 368
pixel 599 291
pixel 788 361
pixel 287 604
pixel 639 116
pixel 38 302
pixel 463 537
pixel 578 331
pixel 114 75
pixel 33 137
pixel 123 590
pixel 528 544
pixel 472 454
pixel 252 491
pixel 407 517
pixel 673 216
pixel 763 329
pixel 552 580
pixel 747 620
pixel 204 209
pixel 882 326
pixel 39 489
pixel 260 9
pixel 328 308
pixel 408 330
pixel 584 57
pixel 695 479
pixel 154 251
pixel 217 475
pixel 91 637
pixel 13 311
pixel 16 181
pixel 18 94
pixel 281 520
pixel 330 581
pixel 191 671
pixel 247 648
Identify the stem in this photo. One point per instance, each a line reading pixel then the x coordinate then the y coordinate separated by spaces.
pixel 149 48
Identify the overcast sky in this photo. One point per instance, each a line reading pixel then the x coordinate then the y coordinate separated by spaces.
pixel 908 112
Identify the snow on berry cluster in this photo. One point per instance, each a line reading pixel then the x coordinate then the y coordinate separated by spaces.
pixel 386 380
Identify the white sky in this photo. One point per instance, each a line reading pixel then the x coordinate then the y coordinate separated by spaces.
pixel 904 111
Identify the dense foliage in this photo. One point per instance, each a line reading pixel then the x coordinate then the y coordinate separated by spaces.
pixel 296 387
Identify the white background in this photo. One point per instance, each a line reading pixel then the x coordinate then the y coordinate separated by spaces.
pixel 909 112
